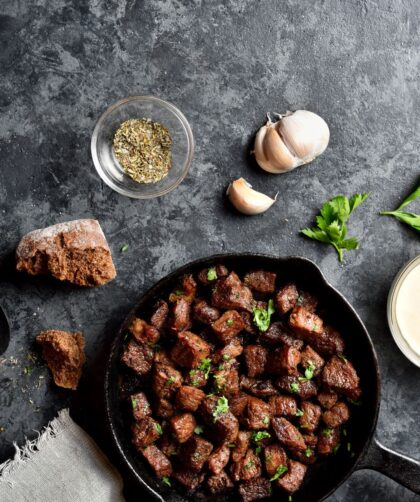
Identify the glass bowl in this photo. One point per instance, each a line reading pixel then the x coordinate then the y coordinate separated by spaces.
pixel 158 110
pixel 392 311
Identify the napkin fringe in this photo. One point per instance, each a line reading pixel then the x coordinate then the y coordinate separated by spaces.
pixel 31 448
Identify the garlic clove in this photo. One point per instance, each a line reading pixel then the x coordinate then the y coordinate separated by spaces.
pixel 277 153
pixel 246 200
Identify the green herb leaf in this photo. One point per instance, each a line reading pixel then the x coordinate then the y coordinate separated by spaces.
pixel 299 413
pixel 229 322
pixel 349 447
pixel 331 223
pixel 336 448
pixel 222 407
pixel 411 219
pixel 226 357
pixel 124 248
pixel 345 432
pixel 294 387
pixel 198 430
pixel 232 445
pixel 260 435
pixel 258 450
pixel 266 420
pixel 354 402
pixel 28 370
pixel 211 274
pixel 166 481
pixel 159 428
pixel 308 452
pixel 249 464
pixel 134 403
pixel 281 469
pixel 290 498
pixel 170 381
pixel 262 317
pixel 309 371
pixel 327 432
pixel 205 366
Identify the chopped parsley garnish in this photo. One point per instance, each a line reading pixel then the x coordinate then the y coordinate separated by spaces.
pixel 294 387
pixel 205 366
pixel 298 413
pixel 166 481
pixel 348 446
pixel 290 498
pixel 28 370
pixel 266 420
pixel 343 357
pixel 222 407
pixel 354 402
pixel 258 450
pixel 309 371
pixel 231 445
pixel 134 403
pixel 198 430
pixel 170 381
pixel 229 322
pixel 226 357
pixel 249 464
pixel 281 469
pixel 197 455
pixel 308 452
pixel 262 316
pixel 327 432
pixel 211 274
pixel 124 248
pixel 300 299
pixel 336 448
pixel 260 435
pixel 159 428
pixel 344 432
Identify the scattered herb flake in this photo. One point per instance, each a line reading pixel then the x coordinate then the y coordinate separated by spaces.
pixel 159 428
pixel 198 430
pixel 260 435
pixel 226 357
pixel 258 450
pixel 211 274
pixel 170 381
pixel 229 322
pixel 134 403
pixel 205 366
pixel 294 387
pixel 308 452
pixel 349 446
pixel 354 402
pixel 266 420
pixel 28 370
pixel 345 432
pixel 231 445
pixel 262 316
pixel 222 407
pixel 309 371
pixel 298 413
pixel 281 469
pixel 249 464
pixel 327 432
pixel 166 481
pixel 124 248
pixel 336 448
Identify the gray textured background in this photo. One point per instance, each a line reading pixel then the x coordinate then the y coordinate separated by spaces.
pixel 62 63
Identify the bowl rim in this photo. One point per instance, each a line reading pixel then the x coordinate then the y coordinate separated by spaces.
pixel 165 104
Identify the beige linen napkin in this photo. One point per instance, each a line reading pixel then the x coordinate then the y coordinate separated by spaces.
pixel 64 464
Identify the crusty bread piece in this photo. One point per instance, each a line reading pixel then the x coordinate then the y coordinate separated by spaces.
pixel 74 251
pixel 64 355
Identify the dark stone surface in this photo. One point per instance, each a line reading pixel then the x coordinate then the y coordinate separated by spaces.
pixel 63 62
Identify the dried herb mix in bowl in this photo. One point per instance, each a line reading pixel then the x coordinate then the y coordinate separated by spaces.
pixel 143 148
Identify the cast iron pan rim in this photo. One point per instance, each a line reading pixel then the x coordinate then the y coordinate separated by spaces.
pixel 220 257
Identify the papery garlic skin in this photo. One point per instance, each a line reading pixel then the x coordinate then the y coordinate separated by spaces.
pixel 295 139
pixel 246 199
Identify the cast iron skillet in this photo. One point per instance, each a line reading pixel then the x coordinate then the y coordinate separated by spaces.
pixel 366 452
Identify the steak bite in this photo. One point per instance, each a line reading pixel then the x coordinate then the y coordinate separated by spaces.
pixel 274 457
pixel 303 388
pixel 189 287
pixel 261 281
pixel 159 314
pixel 137 357
pixel 286 298
pixel 145 432
pixel 249 325
pixel 327 440
pixel 165 380
pixel 291 481
pixel 327 399
pixel 255 359
pixel 219 483
pixel 284 361
pixel 140 405
pixel 168 445
pixel 210 275
pixel 230 293
pixel 189 398
pixel 340 376
pixel 237 404
pixel 242 444
pixel 258 388
pixel 227 379
pixel 143 332
pixel 182 427
pixel 196 378
pixel 218 459
pixel 230 351
pixel 306 324
pixel 228 326
pixel 329 342
pixel 311 415
pixel 189 350
pixel 180 317
pixel 158 461
pixel 257 414
pixel 247 467
pixel 195 452
pixel 205 313
pixel 311 359
pixel 188 478
pixel 254 489
pixel 288 435
pixel 163 408
pixel 279 334
pixel 336 416
pixel 222 423
pixel 283 406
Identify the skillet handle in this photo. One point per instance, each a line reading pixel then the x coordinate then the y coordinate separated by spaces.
pixel 402 469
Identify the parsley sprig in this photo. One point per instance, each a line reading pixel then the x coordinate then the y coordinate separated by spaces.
pixel 331 225
pixel 262 316
pixel 411 219
pixel 281 469
pixel 222 406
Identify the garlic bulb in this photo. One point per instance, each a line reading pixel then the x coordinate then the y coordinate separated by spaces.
pixel 295 139
pixel 246 200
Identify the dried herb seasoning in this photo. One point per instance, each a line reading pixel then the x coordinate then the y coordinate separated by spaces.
pixel 143 148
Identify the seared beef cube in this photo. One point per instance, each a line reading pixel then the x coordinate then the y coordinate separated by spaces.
pixel 242 445
pixel 288 435
pixel 257 414
pixel 189 398
pixel 248 467
pixel 159 314
pixel 230 351
pixel 291 481
pixel 189 287
pixel 218 459
pixel 249 325
pixel 254 489
pixel 196 378
pixel 161 357
pixel 223 427
pixel 182 427
pixel 340 376
pixel 237 404
pixel 329 342
pixel 219 483
pixel 143 332
pixel 166 380
pixel 261 281
pixel 305 389
pixel 204 313
pixel 328 439
pixel 307 301
pixel 228 326
pixel 195 452
pixel 283 406
pixel 138 357
pixel 278 334
pixel 307 457
pixel 311 415
pixel 168 446
pixel 145 432
pixel 283 361
pixel 258 388
pixel 230 293
pixel 311 359
pixel 140 405
pixel 311 440
pixel 327 399
pixel 163 408
pixel 336 416
pixel 180 316
pixel 286 298
pixel 274 457
pixel 306 324
pixel 188 478
pixel 189 350
pixel 211 274
pixel 158 461
pixel 227 379
pixel 255 359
